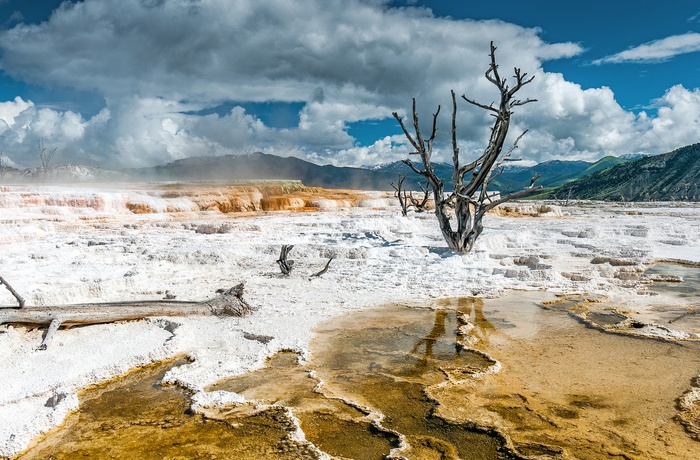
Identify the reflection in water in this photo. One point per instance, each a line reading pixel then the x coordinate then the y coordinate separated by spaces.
pixel 436 332
pixel 385 360
pixel 472 310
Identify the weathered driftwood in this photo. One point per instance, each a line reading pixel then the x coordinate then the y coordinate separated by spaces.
pixel 324 270
pixel 19 298
pixel 285 265
pixel 228 302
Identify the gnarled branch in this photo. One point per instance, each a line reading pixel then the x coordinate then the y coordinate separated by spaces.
pixel 285 265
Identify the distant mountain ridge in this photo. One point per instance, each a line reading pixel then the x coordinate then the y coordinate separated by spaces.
pixel 262 166
pixel 672 176
pixel 552 173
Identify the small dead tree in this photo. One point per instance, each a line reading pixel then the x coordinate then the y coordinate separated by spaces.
pixel 420 205
pixel 563 201
pixel 401 194
pixel 45 155
pixel 470 197
pixel 406 198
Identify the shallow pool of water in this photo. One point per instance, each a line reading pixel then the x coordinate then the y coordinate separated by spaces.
pixel 689 288
pixel 134 417
pixel 459 378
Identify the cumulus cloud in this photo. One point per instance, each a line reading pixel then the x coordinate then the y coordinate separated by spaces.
pixel 11 109
pixel 160 65
pixel 23 125
pixel 657 50
pixel 678 117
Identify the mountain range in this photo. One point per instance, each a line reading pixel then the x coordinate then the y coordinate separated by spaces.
pixel 673 176
pixel 670 176
pixel 262 166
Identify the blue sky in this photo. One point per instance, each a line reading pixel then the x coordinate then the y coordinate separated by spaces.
pixel 602 29
pixel 139 82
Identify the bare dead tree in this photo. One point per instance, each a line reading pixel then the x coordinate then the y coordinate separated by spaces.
pixel 420 205
pixel 45 155
pixel 401 194
pixel 564 201
pixel 470 197
pixel 285 265
pixel 406 198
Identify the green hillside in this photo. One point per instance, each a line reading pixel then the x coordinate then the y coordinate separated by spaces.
pixel 673 176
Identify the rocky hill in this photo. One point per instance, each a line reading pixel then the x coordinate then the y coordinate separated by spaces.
pixel 552 173
pixel 673 176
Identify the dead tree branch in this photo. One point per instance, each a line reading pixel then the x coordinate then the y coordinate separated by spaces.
pixel 285 265
pixel 325 269
pixel 45 155
pixel 420 204
pixel 19 298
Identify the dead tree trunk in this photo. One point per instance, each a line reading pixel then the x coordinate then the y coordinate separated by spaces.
pixel 227 302
pixel 470 197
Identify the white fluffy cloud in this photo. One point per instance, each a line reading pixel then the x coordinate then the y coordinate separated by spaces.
pixel 158 64
pixel 657 50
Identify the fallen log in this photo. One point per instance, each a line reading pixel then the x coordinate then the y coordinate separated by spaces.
pixel 228 302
